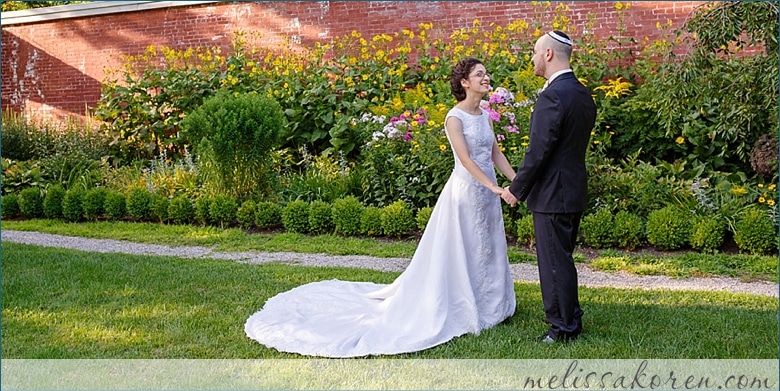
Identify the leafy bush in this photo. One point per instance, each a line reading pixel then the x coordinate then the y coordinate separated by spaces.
pixel 19 175
pixel 323 178
pixel 139 204
pixel 423 215
pixel 268 214
pixel 525 230
pixel 160 205
pixel 295 216
pixel 116 206
pixel 347 213
pixel 72 204
pixel 10 206
pixel 223 210
pixel 407 159
pixel 320 217
pixel 669 228
pixel 510 225
pixel 203 210
pixel 31 202
pixel 755 233
pixel 94 203
pixel 371 221
pixel 245 215
pixel 628 230
pixel 52 202
pixel 707 234
pixel 180 210
pixel 597 229
pixel 241 129
pixel 397 219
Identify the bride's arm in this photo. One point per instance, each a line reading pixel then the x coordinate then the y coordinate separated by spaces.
pixel 501 162
pixel 455 133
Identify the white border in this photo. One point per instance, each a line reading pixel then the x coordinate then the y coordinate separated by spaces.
pixel 87 9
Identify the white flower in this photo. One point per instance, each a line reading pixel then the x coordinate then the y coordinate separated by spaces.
pixel 377 136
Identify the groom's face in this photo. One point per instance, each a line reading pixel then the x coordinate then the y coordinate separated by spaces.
pixel 540 57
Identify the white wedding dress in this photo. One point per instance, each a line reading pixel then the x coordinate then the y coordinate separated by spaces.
pixel 458 281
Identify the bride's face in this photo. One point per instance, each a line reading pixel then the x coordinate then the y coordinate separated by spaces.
pixel 478 80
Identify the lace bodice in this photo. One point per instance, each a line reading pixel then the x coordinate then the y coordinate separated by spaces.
pixel 479 137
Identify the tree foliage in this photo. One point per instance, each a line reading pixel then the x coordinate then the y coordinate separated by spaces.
pixel 24 5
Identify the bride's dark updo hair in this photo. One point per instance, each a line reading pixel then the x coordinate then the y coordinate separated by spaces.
pixel 460 72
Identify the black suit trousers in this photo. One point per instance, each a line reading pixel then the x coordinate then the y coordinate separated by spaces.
pixel 556 236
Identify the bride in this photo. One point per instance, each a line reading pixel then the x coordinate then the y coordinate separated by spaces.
pixel 458 281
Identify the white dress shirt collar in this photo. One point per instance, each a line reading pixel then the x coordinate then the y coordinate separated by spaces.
pixel 554 75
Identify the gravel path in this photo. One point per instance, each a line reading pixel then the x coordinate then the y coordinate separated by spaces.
pixel 520 272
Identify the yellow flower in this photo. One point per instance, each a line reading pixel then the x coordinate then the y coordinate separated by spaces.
pixel 760 185
pixel 772 186
pixel 771 202
pixel 618 6
pixel 738 191
pixel 680 140
pixel 761 200
pixel 442 147
pixel 616 88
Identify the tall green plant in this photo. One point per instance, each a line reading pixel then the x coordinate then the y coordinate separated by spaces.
pixel 239 130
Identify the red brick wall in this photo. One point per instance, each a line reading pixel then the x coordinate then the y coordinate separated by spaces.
pixel 54 69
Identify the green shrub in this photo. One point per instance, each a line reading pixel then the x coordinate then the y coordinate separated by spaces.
pixel 180 210
pixel 397 219
pixel 268 214
pixel 525 231
pixel 295 216
pixel 10 206
pixel 245 215
pixel 52 202
pixel 139 204
pixel 31 202
pixel 160 204
pixel 223 210
pixel 94 203
pixel 320 217
pixel 707 234
pixel 628 230
pixel 72 204
pixel 371 221
pixel 347 213
pixel 669 228
pixel 115 206
pixel 510 225
pixel 423 215
pixel 203 210
pixel 240 129
pixel 755 233
pixel 597 229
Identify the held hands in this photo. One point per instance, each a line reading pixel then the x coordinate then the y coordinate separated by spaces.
pixel 508 197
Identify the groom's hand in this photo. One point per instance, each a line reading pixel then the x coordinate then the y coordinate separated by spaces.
pixel 508 197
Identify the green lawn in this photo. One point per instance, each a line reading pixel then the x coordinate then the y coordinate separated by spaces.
pixel 60 303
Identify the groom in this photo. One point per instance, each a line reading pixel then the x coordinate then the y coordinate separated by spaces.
pixel 552 180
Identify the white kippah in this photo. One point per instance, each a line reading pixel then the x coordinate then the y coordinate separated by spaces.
pixel 559 38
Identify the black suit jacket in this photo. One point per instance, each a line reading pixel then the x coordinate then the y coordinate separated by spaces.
pixel 552 177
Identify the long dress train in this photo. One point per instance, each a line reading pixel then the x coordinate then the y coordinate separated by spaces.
pixel 458 280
